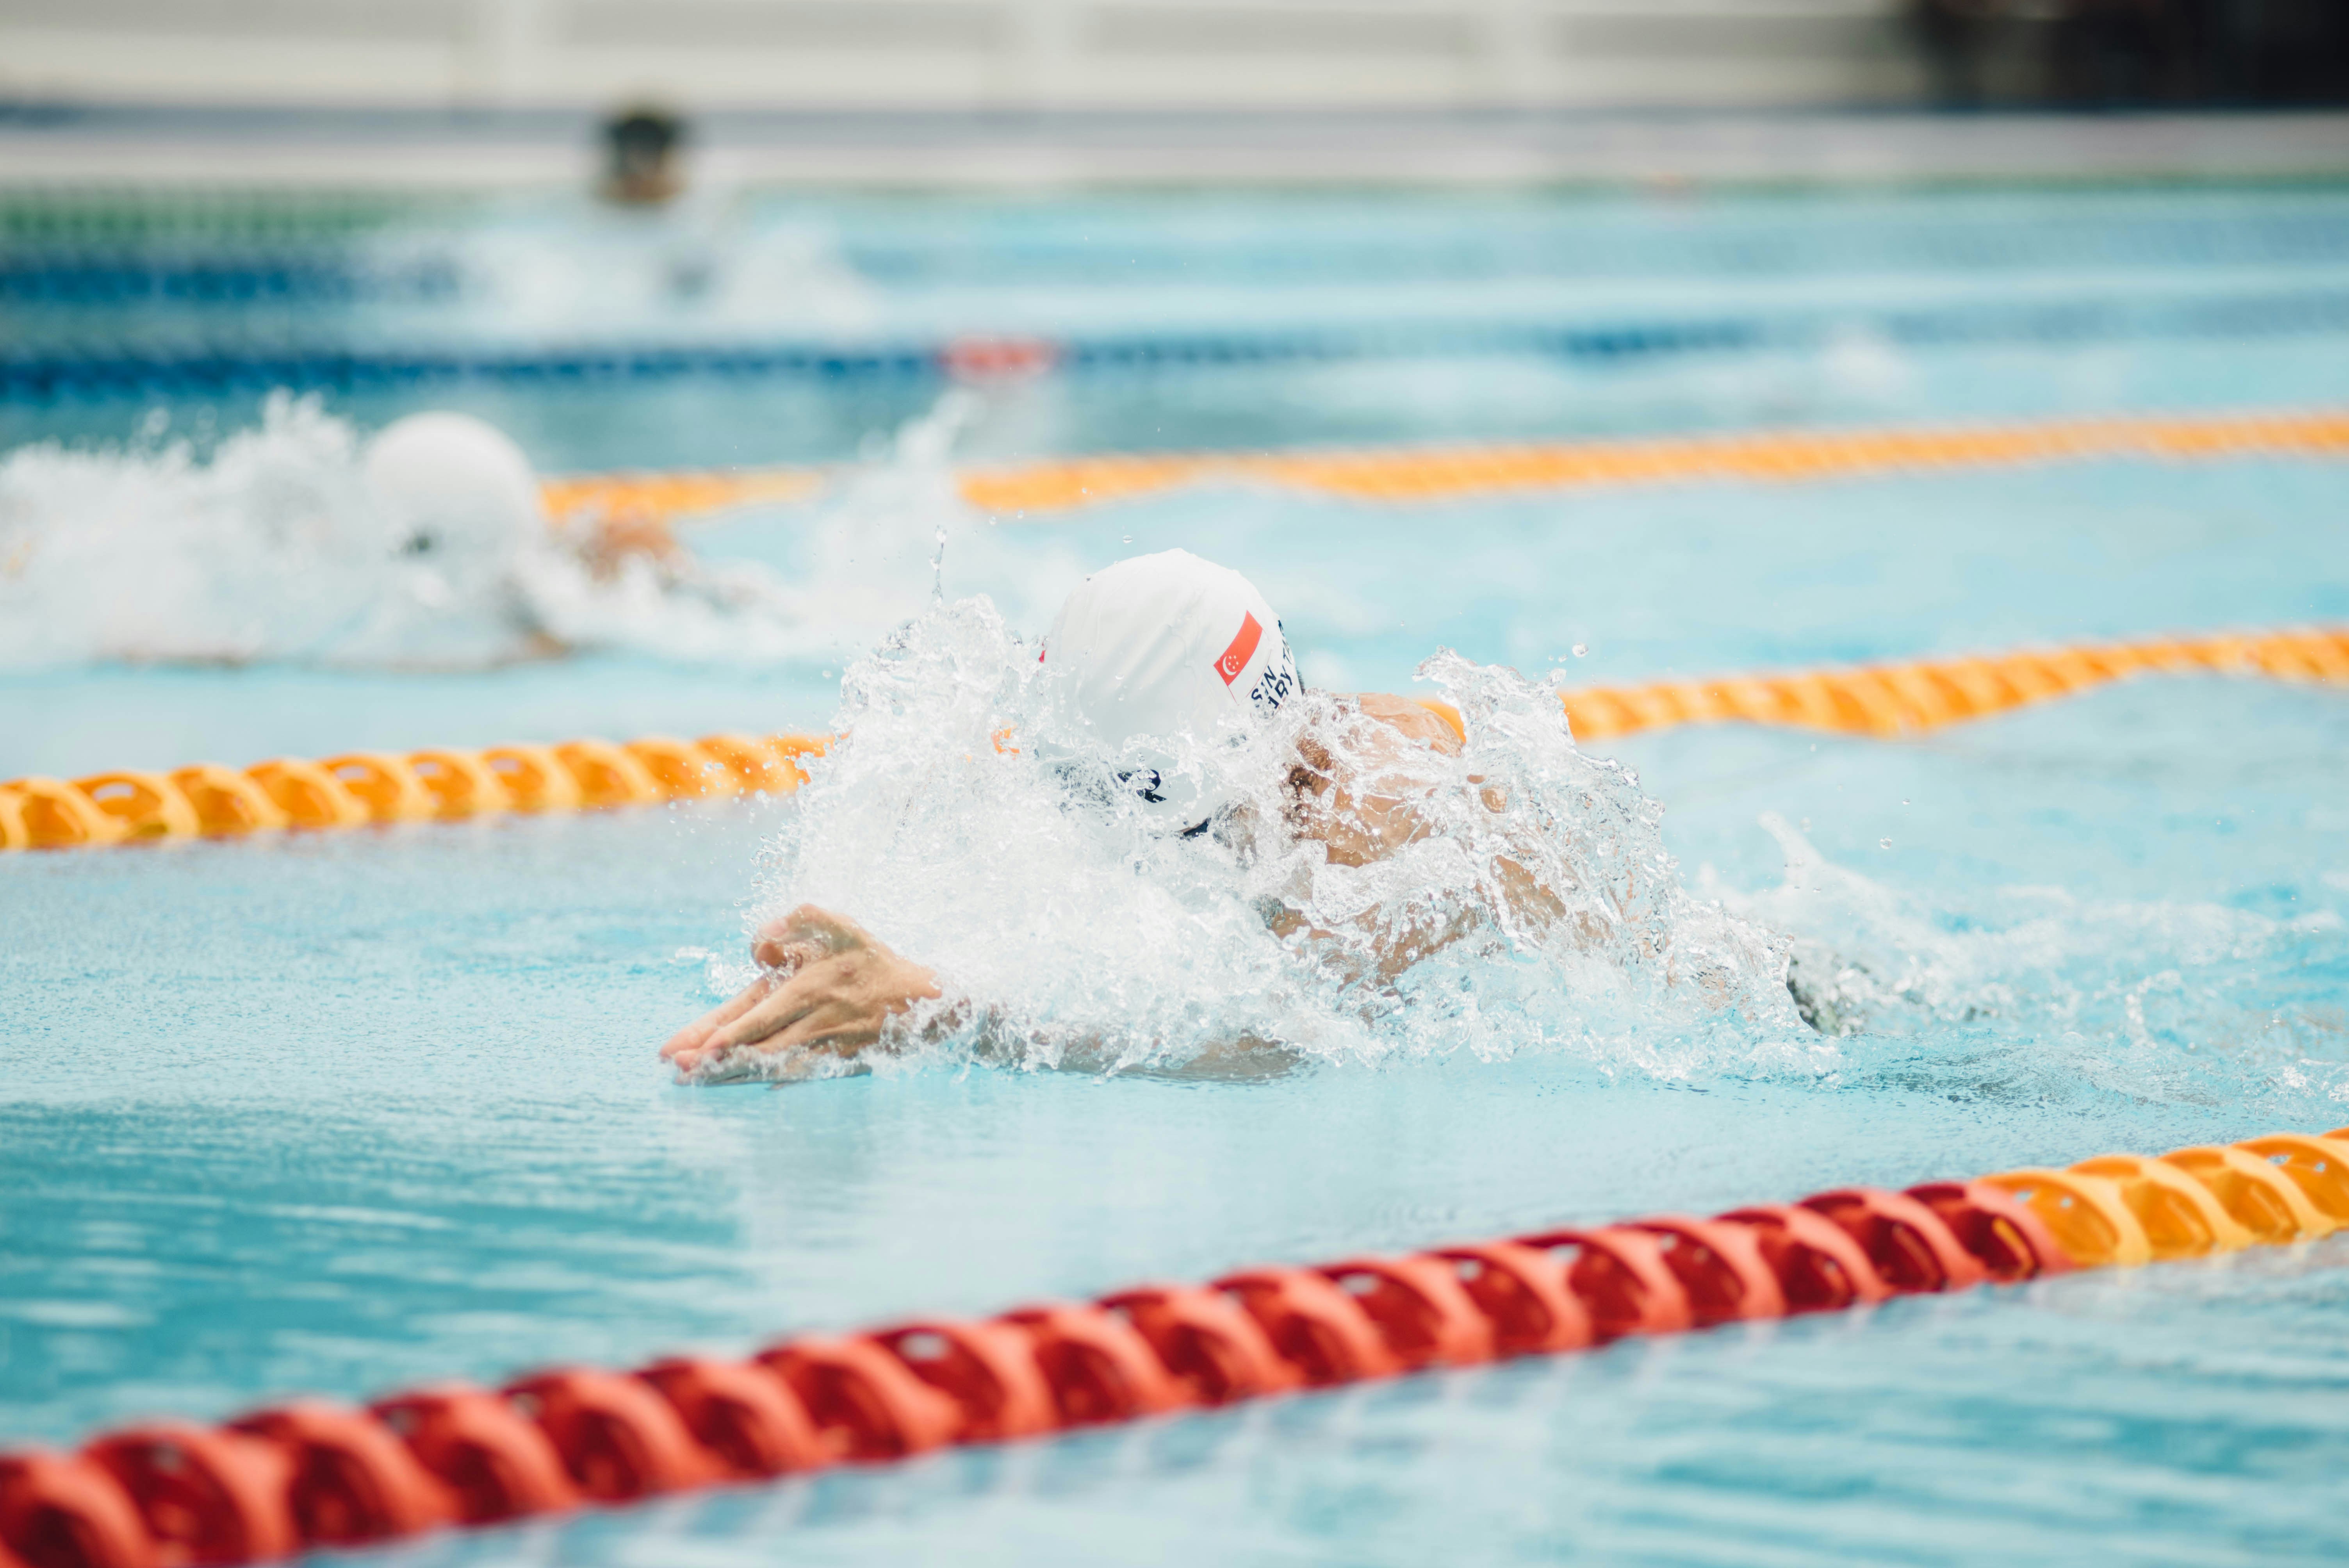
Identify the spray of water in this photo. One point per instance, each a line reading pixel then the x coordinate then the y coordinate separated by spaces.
pixel 273 548
pixel 967 826
pixel 2037 994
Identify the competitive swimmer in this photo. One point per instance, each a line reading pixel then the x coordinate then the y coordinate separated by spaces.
pixel 458 492
pixel 478 572
pixel 1145 654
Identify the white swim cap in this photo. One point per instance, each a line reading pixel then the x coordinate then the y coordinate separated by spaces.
pixel 1164 647
pixel 455 489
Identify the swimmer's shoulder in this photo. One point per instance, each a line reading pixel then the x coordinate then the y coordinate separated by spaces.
pixel 1435 724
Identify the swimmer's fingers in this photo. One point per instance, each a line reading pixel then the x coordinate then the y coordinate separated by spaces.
pixel 753 1034
pixel 790 1001
pixel 694 1036
pixel 845 999
pixel 844 1018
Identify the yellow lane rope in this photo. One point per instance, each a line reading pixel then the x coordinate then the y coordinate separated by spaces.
pixel 1910 697
pixel 1772 456
pixel 363 787
pixel 1434 473
pixel 676 494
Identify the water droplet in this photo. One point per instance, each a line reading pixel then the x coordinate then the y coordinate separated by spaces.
pixel 1580 649
pixel 1129 539
pixel 1904 800
pixel 1883 844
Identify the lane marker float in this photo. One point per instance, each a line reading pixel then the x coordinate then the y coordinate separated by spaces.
pixel 311 1473
pixel 1418 474
pixel 448 783
pixel 1917 696
pixel 358 787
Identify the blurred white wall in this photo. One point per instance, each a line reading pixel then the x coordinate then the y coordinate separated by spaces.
pixel 961 55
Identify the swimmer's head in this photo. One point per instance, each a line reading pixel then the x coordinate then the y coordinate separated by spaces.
pixel 456 491
pixel 640 156
pixel 1159 654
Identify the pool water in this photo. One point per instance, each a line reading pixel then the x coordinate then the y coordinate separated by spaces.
pixel 346 1112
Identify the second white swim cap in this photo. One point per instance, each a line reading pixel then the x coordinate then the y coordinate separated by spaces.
pixel 1166 646
pixel 452 486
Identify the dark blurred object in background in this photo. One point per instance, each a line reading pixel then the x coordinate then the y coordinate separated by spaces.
pixel 640 165
pixel 2117 54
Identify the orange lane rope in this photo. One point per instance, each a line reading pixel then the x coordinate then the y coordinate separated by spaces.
pixel 1911 698
pixel 311 1473
pixel 361 787
pixel 1434 473
pixel 1772 456
pixel 358 787
pixel 1779 456
pixel 674 494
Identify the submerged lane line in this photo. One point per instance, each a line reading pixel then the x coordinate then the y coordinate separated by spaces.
pixel 1415 474
pixel 311 1473
pixel 357 787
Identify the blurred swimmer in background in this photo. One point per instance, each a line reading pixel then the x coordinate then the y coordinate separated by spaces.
pixel 428 545
pixel 641 167
pixel 1150 661
pixel 457 491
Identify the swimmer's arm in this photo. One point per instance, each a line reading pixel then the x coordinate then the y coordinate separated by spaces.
pixel 1412 721
pixel 1528 900
pixel 828 986
pixel 1369 810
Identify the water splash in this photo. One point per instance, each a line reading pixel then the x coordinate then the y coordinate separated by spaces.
pixel 273 549
pixel 704 268
pixel 965 826
pixel 2036 993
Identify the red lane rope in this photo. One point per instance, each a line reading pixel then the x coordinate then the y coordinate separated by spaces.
pixel 311 1473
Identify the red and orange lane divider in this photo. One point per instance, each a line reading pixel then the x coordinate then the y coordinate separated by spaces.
pixel 363 787
pixel 1913 697
pixel 128 806
pixel 1436 473
pixel 310 1473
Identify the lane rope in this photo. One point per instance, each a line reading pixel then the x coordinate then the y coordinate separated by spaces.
pixel 225 360
pixel 1421 474
pixel 447 783
pixel 358 787
pixel 1917 696
pixel 311 1473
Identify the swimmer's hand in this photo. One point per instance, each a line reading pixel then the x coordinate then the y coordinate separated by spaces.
pixel 829 985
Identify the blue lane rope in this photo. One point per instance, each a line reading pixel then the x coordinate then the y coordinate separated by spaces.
pixel 63 256
pixel 65 372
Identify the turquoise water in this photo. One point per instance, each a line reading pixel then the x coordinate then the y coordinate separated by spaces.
pixel 342 1113
pixel 1649 581
pixel 1428 316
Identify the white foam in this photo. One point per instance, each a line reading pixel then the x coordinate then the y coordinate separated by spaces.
pixel 1070 929
pixel 274 548
pixel 2026 989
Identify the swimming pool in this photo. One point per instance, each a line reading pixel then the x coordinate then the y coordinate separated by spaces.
pixel 347 1112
